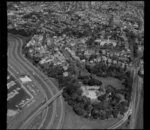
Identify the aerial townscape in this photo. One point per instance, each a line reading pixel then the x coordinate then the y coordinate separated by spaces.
pixel 75 65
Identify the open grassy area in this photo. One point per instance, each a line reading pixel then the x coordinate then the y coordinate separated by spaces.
pixel 73 121
pixel 110 80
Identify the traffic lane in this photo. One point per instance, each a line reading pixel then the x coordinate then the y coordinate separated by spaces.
pixel 33 69
pixel 47 124
pixel 22 70
pixel 61 105
pixel 135 98
pixel 34 110
pixel 60 116
pixel 26 116
pixel 46 91
pixel 14 69
pixel 61 98
pixel 42 75
pixel 42 84
pixel 139 118
pixel 130 110
pixel 119 123
pixel 137 102
pixel 45 105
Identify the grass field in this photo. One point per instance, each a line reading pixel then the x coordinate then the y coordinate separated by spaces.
pixel 110 80
pixel 73 121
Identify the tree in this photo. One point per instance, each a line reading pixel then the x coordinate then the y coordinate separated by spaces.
pixel 98 105
pixel 102 98
pixel 79 111
pixel 65 95
pixel 127 96
pixel 122 107
pixel 36 60
pixel 115 113
pixel 94 81
pixel 88 68
pixel 109 88
pixel 88 107
pixel 102 114
pixel 71 102
pixel 84 79
pixel 95 113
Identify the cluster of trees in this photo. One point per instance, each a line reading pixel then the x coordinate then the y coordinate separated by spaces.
pixel 102 70
pixel 89 80
pixel 108 105
pixel 20 32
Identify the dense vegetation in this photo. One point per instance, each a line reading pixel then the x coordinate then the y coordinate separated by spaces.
pixel 20 32
pixel 107 105
pixel 110 104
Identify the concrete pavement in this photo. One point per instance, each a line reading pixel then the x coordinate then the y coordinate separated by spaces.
pixel 18 56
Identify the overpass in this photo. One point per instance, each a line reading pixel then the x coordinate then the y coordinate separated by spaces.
pixel 48 102
pixel 19 61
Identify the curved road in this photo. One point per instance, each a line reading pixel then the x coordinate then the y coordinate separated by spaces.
pixel 16 66
pixel 130 109
pixel 39 76
pixel 134 103
pixel 19 61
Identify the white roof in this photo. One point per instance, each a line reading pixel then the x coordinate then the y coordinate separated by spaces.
pixel 25 79
pixel 11 113
pixel 10 84
pixel 65 74
pixel 90 93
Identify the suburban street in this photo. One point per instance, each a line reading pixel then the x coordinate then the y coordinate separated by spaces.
pixel 23 66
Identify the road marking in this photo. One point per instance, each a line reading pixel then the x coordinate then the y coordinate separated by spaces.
pixel 13 68
pixel 54 87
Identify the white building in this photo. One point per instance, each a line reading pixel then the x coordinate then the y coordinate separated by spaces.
pixel 25 79
pixel 65 74
pixel 10 84
pixel 90 91
pixel 11 112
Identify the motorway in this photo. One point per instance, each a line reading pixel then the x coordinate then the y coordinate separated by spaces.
pixel 138 83
pixel 16 59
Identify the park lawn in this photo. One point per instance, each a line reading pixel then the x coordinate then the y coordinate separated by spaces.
pixel 73 121
pixel 111 81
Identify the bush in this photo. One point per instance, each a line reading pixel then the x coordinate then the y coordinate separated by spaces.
pixel 102 98
pixel 78 109
pixel 93 81
pixel 115 113
pixel 95 113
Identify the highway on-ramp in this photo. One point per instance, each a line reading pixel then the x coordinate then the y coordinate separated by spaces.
pixel 16 59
